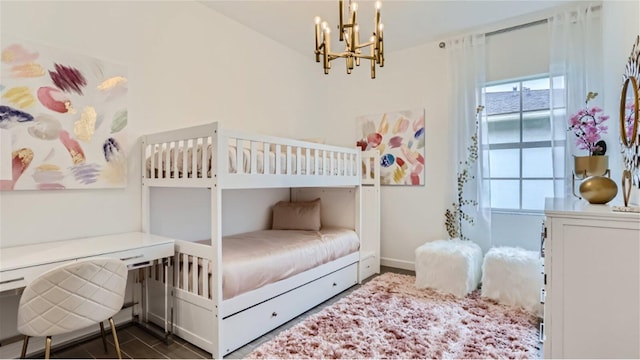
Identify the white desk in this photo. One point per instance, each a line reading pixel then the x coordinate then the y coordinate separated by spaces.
pixel 19 265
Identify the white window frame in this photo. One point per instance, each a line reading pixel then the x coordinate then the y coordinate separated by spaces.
pixel 521 145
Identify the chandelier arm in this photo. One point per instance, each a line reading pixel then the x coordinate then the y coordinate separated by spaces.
pixel 367 57
pixel 364 45
pixel 347 43
pixel 333 56
pixel 346 54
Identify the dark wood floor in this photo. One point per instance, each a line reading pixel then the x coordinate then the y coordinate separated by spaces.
pixel 136 343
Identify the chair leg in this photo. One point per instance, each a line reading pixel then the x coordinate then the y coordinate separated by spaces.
pixel 47 348
pixel 115 338
pixel 25 343
pixel 104 338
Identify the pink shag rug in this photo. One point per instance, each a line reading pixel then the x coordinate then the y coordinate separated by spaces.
pixel 389 318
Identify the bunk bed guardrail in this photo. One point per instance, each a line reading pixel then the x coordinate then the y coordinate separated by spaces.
pixel 234 159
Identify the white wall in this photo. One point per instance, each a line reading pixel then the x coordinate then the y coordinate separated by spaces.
pixel 187 65
pixel 412 78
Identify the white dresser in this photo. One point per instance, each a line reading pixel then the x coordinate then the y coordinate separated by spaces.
pixel 592 281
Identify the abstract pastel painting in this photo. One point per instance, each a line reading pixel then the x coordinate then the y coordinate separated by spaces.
pixel 67 116
pixel 399 137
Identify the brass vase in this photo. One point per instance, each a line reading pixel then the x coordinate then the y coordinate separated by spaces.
pixel 598 189
pixel 585 166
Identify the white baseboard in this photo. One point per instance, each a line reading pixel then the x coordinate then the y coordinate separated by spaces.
pixel 400 264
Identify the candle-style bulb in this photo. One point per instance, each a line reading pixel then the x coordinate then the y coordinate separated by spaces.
pixel 381 27
pixel 317 20
pixel 324 25
pixel 378 5
pixel 354 6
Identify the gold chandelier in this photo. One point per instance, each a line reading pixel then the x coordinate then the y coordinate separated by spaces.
pixel 349 33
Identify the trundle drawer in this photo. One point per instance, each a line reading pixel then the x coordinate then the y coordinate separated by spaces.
pixel 369 266
pixel 249 324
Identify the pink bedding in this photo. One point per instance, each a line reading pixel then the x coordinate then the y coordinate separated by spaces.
pixel 252 260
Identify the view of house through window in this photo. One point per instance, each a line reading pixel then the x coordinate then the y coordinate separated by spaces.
pixel 521 150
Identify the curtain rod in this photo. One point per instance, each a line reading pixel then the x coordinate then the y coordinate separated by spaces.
pixel 442 44
pixel 517 27
pixel 532 23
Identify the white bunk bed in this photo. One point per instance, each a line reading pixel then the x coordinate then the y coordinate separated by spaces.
pixel 214 159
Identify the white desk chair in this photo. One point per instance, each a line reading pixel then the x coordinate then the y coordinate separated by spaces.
pixel 72 297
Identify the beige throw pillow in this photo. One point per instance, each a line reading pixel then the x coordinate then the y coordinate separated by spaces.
pixel 303 215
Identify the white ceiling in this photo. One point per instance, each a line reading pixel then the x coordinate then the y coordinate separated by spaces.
pixel 407 23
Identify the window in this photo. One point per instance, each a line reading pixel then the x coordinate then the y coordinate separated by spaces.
pixel 520 146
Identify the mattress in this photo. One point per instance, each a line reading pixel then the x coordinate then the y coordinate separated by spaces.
pixel 166 159
pixel 255 259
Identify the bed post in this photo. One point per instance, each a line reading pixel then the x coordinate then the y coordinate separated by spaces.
pixel 370 216
pixel 145 189
pixel 143 309
pixel 219 143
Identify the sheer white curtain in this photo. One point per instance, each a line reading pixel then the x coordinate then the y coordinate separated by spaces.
pixel 468 72
pixel 576 65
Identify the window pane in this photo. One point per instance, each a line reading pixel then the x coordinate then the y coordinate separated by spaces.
pixel 504 163
pixel 534 192
pixel 527 138
pixel 536 126
pixel 504 128
pixel 502 99
pixel 505 194
pixel 535 94
pixel 536 163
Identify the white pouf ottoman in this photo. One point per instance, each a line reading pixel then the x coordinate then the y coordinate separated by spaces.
pixel 513 276
pixel 451 266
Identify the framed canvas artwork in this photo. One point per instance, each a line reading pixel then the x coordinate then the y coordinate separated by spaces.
pixel 399 136
pixel 65 116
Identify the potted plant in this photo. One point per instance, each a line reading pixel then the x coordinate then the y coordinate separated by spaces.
pixel 588 124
